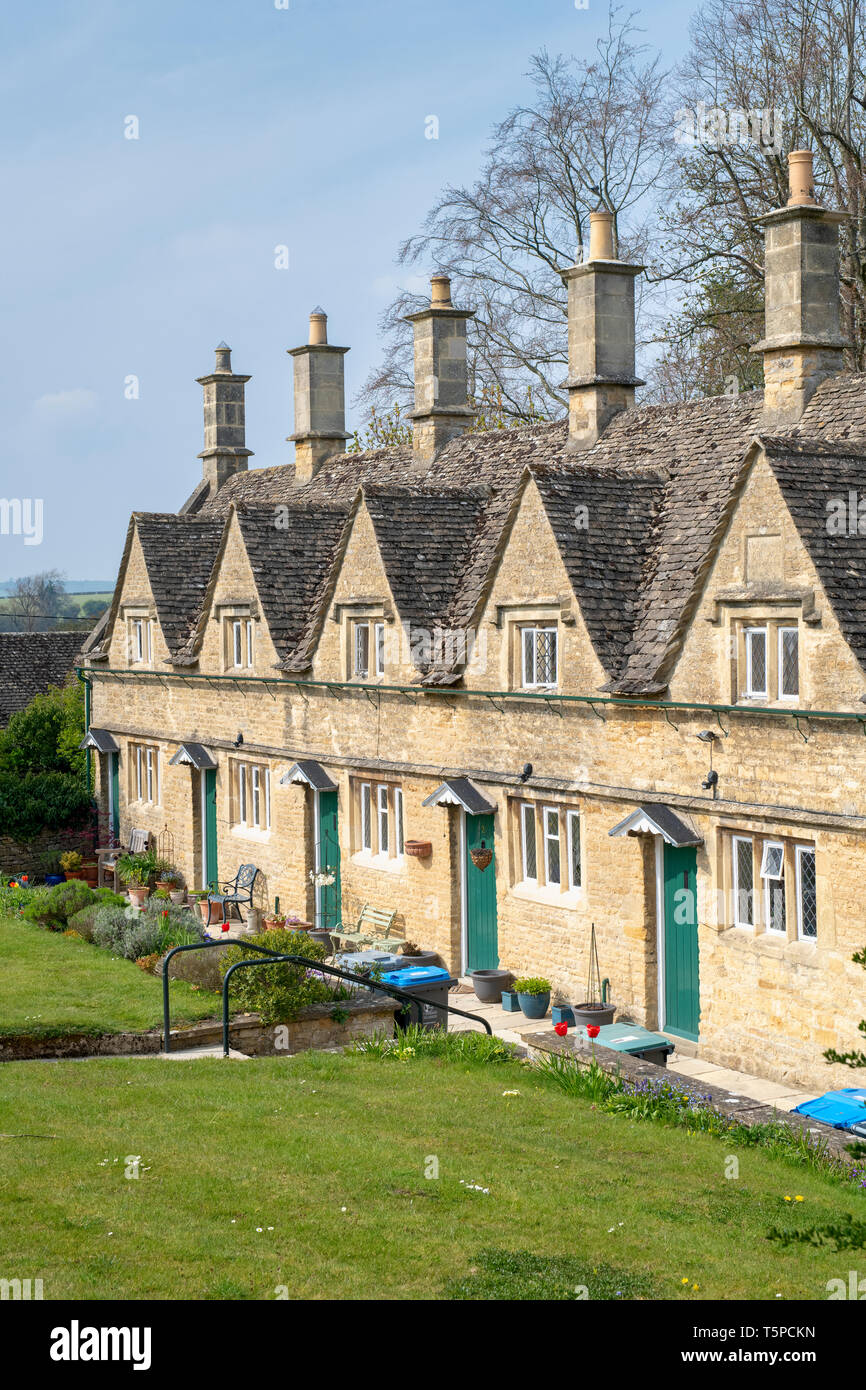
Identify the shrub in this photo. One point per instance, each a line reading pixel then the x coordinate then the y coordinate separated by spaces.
pixel 131 934
pixel 52 907
pixel 70 862
pixel 84 920
pixel 41 800
pixel 436 1042
pixel 278 992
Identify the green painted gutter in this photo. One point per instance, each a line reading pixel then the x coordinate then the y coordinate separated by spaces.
pixel 551 699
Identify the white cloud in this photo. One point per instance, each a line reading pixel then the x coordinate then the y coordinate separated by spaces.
pixel 65 405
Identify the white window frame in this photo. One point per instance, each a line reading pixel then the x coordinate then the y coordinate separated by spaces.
pixel 532 630
pixel 366 805
pixel 787 695
pixel 735 879
pixel 256 780
pixel 360 642
pixel 146 768
pixel 242 794
pixel 152 776
pixel 399 831
pixel 572 825
pixel 379 648
pixel 548 840
pixel 800 850
pixel 139 780
pixel 750 691
pixel 773 878
pixel 382 819
pixel 237 641
pixel 527 810
pixel 249 642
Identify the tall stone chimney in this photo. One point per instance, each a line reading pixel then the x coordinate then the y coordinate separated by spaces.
pixel 442 410
pixel 601 366
pixel 803 342
pixel 320 400
pixel 224 451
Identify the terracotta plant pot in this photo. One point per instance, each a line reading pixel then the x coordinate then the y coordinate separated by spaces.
pixel 418 849
pixel 73 873
pixel 273 924
pixel 90 869
pixel 599 1014
pixel 138 896
pixel 177 895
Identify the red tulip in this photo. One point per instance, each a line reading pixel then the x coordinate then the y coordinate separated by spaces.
pixel 560 1029
pixel 592 1030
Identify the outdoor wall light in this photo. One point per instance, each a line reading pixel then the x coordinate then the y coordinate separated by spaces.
pixel 707 735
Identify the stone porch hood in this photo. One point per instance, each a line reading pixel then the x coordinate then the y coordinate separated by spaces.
pixel 194 755
pixel 101 740
pixel 658 820
pixel 459 791
pixel 310 774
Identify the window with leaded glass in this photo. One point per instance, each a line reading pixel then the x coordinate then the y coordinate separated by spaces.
pixel 527 841
pixel 366 816
pixel 574 866
pixel 552 849
pixel 744 882
pixel 789 663
pixel 807 899
pixel 539 647
pixel 756 661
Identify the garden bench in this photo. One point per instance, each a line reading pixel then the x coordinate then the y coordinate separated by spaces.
pixel 236 892
pixel 373 928
pixel 107 858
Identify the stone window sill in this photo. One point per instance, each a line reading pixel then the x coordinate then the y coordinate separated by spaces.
pixel 386 863
pixel 547 897
pixel 249 832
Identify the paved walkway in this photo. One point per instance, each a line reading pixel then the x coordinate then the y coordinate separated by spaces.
pixel 513 1027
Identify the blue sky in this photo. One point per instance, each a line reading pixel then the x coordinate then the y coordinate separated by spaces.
pixel 258 127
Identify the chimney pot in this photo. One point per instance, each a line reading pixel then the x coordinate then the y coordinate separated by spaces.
pixel 601 236
pixel 440 297
pixel 801 179
pixel 318 327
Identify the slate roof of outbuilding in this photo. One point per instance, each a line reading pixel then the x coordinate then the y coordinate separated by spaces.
pixel 32 661
pixel 660 486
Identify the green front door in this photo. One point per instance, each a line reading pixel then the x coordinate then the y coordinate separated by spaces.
pixel 328 862
pixel 681 989
pixel 209 809
pixel 114 794
pixel 482 945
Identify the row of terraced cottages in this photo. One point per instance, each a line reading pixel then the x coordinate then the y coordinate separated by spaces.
pixel 626 653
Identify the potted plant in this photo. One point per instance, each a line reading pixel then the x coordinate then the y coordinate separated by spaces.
pixel 274 921
pixel 533 994
pixel 418 956
pixel 418 849
pixel 595 1008
pixel 489 984
pixel 90 868
pixel 70 863
pixel 134 870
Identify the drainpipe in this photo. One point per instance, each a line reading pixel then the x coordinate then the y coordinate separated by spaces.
pixel 87 698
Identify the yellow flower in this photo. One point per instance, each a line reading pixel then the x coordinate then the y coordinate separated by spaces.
pixel 684 1281
pixel 695 1288
pixel 799 1199
pixel 787 1199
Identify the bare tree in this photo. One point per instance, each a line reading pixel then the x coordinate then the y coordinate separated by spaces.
pixel 37 601
pixel 593 136
pixel 805 61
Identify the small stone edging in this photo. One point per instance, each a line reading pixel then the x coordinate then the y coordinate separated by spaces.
pixel 314 1028
pixel 726 1103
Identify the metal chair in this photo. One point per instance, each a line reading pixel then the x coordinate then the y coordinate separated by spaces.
pixel 236 892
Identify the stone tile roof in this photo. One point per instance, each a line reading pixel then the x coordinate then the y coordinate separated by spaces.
pixel 179 553
pixel 812 474
pixel 32 661
pixel 659 488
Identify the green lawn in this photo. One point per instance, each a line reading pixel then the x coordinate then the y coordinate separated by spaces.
pixel 51 983
pixel 309 1173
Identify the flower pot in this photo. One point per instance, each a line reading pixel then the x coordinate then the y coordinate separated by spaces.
pixel 422 958
pixel 163 883
pixel 534 1005
pixel 273 924
pixel 323 938
pixel 489 984
pixel 90 869
pixel 177 895
pixel 563 1013
pixel 481 857
pixel 51 880
pixel 73 873
pixel 510 1001
pixel 593 1013
pixel 138 895
pixel 418 849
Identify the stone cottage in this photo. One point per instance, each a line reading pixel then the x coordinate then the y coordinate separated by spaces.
pixel 625 652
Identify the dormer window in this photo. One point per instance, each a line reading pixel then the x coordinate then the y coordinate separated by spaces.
pixel 770 656
pixel 539 656
pixel 368 649
pixel 140 641
pixel 239 643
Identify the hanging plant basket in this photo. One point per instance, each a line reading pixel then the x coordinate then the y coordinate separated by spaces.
pixel 419 849
pixel 481 857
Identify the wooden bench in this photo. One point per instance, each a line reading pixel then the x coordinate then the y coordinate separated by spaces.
pixel 107 858
pixel 373 929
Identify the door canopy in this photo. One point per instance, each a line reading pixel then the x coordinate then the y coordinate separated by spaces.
pixel 658 820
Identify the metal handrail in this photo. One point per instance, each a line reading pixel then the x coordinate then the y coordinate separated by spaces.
pixel 343 975
pixel 275 957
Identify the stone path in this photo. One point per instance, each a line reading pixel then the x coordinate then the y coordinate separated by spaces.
pixel 513 1027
